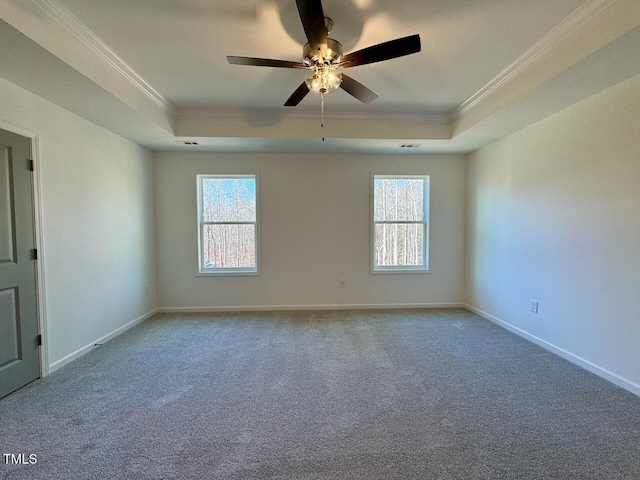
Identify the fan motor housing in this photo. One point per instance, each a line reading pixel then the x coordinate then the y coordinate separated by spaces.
pixel 312 54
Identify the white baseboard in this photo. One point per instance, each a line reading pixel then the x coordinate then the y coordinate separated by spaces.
pixel 86 349
pixel 581 362
pixel 269 308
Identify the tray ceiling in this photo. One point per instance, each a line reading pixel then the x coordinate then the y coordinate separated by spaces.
pixel 155 71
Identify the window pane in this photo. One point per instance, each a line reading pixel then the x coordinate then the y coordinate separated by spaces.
pixel 399 244
pixel 229 199
pixel 398 199
pixel 229 246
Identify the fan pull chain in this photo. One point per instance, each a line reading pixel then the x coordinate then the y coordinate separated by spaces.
pixel 322 112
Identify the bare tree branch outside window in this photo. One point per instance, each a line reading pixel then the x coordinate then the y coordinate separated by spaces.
pixel 400 221
pixel 228 222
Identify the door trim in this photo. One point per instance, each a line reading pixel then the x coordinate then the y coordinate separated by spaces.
pixel 34 144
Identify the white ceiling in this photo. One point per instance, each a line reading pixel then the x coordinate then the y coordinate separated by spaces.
pixel 180 47
pixel 155 71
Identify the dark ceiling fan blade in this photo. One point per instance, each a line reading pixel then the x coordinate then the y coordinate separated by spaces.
pixel 383 51
pixel 312 17
pixel 264 62
pixel 357 90
pixel 297 96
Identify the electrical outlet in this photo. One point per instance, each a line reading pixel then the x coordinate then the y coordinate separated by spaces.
pixel 343 283
pixel 533 306
pixel 147 291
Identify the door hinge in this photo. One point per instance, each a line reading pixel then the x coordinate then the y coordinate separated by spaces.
pixel 34 254
pixel 39 340
pixel 30 164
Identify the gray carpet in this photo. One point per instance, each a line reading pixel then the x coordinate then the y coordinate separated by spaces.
pixel 322 395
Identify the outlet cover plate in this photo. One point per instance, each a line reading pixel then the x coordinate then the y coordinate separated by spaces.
pixel 533 306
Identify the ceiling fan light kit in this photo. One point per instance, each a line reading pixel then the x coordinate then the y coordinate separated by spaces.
pixel 325 80
pixel 324 56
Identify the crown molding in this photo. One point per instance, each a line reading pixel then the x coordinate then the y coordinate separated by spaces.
pixel 85 36
pixel 305 116
pixel 574 21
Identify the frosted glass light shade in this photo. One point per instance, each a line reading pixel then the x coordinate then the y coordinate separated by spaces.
pixel 324 81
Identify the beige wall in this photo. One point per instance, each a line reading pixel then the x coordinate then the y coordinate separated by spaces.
pixel 554 215
pixel 315 230
pixel 97 211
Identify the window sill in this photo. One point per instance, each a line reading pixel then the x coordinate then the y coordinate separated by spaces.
pixel 398 272
pixel 227 274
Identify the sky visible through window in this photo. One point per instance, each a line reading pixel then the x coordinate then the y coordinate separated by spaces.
pixel 229 214
pixel 399 215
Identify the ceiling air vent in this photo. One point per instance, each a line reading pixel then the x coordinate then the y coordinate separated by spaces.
pixel 410 145
pixel 187 142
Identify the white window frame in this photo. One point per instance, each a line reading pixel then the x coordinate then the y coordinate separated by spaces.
pixel 424 268
pixel 227 271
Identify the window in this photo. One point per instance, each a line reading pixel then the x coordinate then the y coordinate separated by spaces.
pixel 400 226
pixel 227 224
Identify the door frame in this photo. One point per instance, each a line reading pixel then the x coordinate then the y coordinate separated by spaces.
pixel 34 146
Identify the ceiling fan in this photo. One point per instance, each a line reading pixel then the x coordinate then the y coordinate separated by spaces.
pixel 324 56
